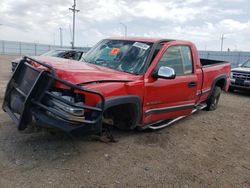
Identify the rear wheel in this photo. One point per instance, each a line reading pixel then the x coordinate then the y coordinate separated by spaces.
pixel 213 100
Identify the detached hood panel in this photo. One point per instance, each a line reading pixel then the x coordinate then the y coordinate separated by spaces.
pixel 79 72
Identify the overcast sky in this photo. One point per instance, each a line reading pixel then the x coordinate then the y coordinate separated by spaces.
pixel 200 21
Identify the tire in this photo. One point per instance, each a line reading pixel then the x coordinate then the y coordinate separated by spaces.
pixel 213 100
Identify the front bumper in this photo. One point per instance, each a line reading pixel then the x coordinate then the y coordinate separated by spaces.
pixel 29 94
pixel 239 84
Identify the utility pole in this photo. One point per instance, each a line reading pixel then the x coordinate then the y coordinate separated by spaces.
pixel 125 28
pixel 61 37
pixel 222 40
pixel 74 10
pixel 54 39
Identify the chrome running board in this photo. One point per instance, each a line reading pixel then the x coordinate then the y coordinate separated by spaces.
pixel 158 125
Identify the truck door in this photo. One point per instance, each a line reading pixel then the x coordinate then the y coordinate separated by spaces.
pixel 170 98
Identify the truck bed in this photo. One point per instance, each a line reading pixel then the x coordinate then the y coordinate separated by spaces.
pixel 213 69
pixel 210 62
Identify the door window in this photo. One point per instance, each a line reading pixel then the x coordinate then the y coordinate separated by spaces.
pixel 187 59
pixel 178 58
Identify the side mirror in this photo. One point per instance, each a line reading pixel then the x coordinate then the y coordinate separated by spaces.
pixel 239 65
pixel 165 72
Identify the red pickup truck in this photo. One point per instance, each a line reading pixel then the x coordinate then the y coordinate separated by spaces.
pixel 123 82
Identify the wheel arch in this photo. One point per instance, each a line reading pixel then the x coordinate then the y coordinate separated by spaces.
pixel 130 100
pixel 220 81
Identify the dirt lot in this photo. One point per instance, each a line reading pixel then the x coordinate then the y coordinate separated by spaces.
pixel 207 149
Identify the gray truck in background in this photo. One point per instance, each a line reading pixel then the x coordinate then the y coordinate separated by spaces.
pixel 240 77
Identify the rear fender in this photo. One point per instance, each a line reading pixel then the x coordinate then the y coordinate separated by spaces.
pixel 221 78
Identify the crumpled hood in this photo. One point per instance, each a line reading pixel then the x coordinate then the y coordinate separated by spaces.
pixel 83 73
pixel 241 69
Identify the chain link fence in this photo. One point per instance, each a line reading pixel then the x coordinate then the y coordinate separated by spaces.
pixel 24 48
pixel 235 58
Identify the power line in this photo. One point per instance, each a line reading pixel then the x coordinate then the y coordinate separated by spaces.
pixel 74 10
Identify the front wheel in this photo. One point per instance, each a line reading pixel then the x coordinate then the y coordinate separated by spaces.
pixel 213 100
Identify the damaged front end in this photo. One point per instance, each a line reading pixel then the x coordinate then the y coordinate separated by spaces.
pixel 31 94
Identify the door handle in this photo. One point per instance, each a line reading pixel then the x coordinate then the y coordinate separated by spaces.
pixel 192 84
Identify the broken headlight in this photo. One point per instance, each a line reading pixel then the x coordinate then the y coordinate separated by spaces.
pixel 68 104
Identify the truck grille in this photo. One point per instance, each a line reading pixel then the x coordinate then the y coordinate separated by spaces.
pixel 241 76
pixel 26 79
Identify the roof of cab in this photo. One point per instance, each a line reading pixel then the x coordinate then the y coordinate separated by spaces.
pixel 141 39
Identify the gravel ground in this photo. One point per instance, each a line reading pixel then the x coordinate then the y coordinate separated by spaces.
pixel 207 149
